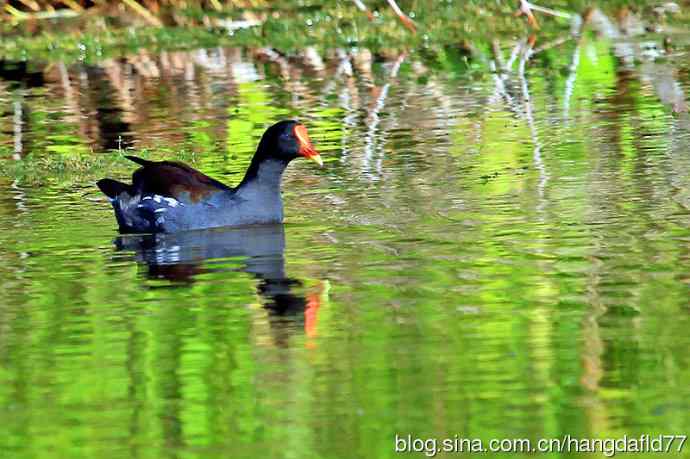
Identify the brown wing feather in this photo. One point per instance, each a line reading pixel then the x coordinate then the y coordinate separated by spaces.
pixel 174 179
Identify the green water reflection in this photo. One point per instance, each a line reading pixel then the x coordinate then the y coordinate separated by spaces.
pixel 487 254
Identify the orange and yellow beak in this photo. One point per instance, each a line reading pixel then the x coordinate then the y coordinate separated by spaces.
pixel 306 149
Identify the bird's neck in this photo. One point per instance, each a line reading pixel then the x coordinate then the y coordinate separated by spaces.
pixel 262 179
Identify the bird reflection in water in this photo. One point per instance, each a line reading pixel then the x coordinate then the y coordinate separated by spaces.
pixel 181 257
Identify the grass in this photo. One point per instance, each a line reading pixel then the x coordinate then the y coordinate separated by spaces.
pixel 290 29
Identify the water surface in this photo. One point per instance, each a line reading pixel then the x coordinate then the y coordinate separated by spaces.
pixel 495 249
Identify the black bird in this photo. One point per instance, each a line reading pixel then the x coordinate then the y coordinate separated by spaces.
pixel 169 196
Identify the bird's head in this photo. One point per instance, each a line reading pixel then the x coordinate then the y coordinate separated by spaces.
pixel 288 140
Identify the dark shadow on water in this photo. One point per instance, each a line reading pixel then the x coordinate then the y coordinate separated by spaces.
pixel 181 257
pixel 114 132
pixel 21 74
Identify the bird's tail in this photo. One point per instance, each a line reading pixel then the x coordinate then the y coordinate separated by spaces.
pixel 138 160
pixel 112 188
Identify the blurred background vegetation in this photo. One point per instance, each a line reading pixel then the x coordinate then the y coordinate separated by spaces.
pixel 91 30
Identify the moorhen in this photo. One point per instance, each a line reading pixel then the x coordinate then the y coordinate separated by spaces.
pixel 169 196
